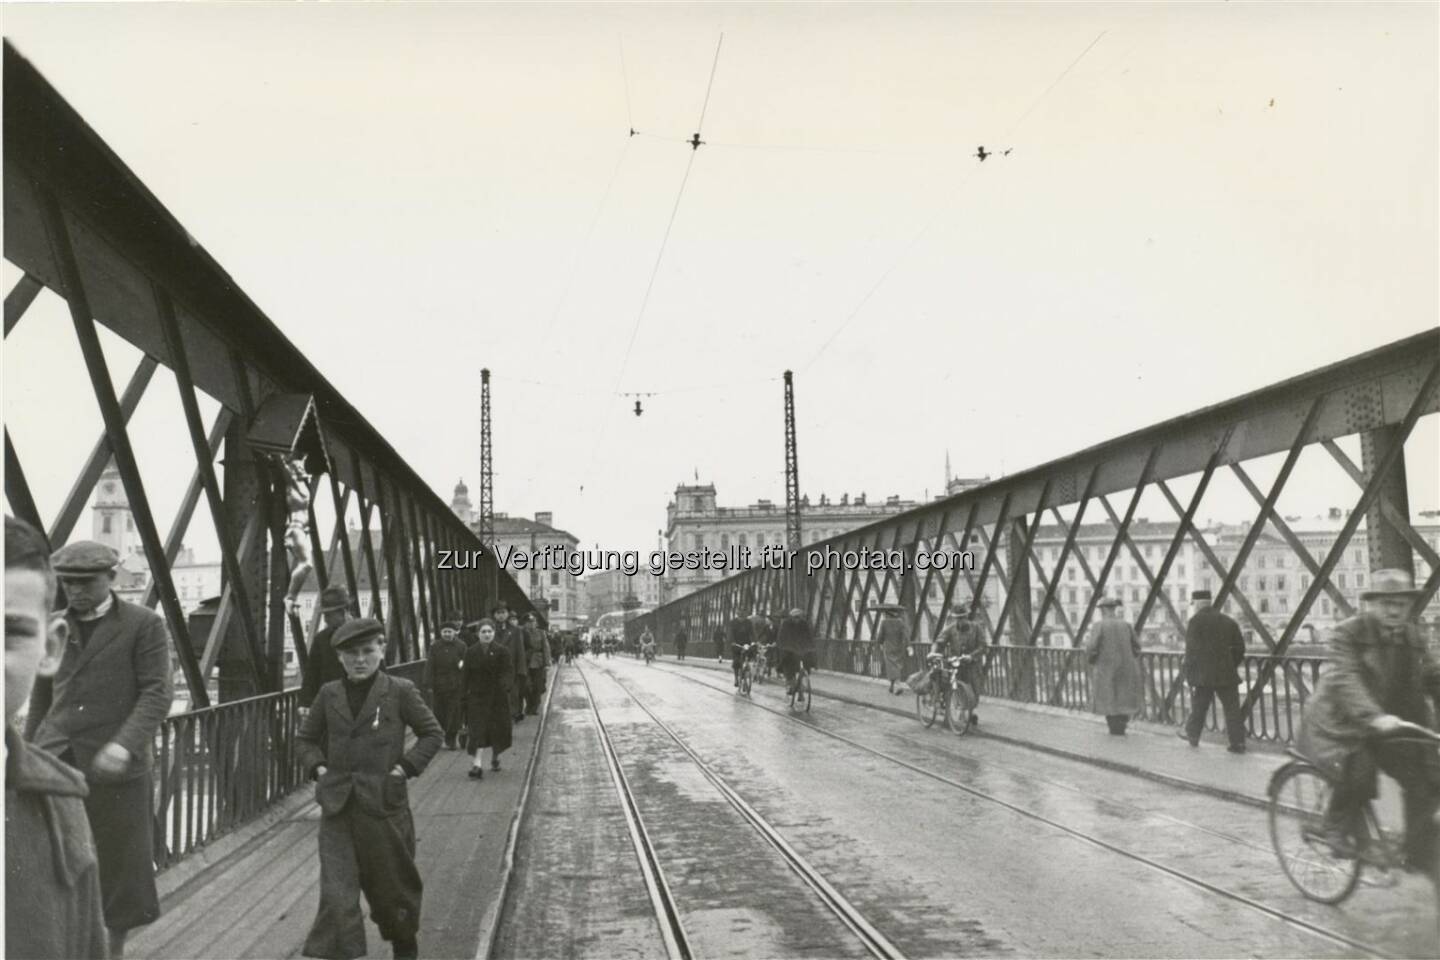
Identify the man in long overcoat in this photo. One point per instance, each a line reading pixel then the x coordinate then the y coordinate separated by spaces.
pixel 1214 649
pixel 1381 671
pixel 1114 653
pixel 512 638
pixel 353 742
pixel 100 713
pixel 682 640
pixel 893 638
pixel 537 658
pixel 442 679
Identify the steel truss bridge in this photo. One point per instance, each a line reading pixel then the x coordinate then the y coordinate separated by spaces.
pixel 80 225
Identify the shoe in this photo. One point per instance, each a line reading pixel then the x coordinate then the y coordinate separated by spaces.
pixel 1186 737
pixel 974 720
pixel 1339 842
pixel 406 949
pixel 495 764
pixel 476 773
pixel 1236 748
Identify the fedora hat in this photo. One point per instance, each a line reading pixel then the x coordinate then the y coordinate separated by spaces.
pixel 1390 583
pixel 1109 602
pixel 334 598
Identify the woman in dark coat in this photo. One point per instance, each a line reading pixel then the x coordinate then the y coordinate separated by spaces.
pixel 485 691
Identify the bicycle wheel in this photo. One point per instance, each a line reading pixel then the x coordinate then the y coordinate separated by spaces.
pixel 804 694
pixel 745 680
pixel 962 704
pixel 928 705
pixel 1299 797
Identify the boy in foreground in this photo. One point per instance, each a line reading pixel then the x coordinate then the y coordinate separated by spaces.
pixel 52 879
pixel 353 742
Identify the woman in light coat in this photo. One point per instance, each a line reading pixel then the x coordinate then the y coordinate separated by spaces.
pixel 1114 655
pixel 893 639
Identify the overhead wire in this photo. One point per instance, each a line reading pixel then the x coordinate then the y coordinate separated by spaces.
pixel 941 209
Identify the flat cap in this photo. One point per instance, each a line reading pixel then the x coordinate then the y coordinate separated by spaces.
pixel 1109 602
pixel 84 558
pixel 451 625
pixel 352 632
pixel 334 598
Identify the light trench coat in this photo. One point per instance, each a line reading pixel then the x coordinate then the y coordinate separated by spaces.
pixel 1114 655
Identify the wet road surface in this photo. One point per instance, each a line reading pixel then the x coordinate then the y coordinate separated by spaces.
pixel 968 867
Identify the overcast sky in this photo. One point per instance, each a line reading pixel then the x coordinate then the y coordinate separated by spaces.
pixel 1211 198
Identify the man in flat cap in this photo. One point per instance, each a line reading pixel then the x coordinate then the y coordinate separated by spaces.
pixel 323 665
pixel 100 713
pixel 1381 672
pixel 353 743
pixel 510 636
pixel 1214 649
pixel 442 678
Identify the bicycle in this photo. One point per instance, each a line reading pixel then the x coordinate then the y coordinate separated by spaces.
pixel 762 662
pixel 945 693
pixel 747 669
pixel 1299 796
pixel 649 655
pixel 799 690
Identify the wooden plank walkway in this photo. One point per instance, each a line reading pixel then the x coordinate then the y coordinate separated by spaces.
pixel 259 900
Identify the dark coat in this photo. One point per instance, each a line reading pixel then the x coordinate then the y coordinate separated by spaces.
pixel 117 688
pixel 1213 649
pixel 893 637
pixel 794 634
pixel 359 752
pixel 1372 671
pixel 52 879
pixel 442 667
pixel 512 638
pixel 485 684
pixel 322 665
pixel 537 647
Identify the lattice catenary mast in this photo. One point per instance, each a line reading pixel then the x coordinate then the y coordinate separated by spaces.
pixel 491 585
pixel 792 471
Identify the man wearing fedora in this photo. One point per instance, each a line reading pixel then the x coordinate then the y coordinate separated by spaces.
pixel 100 713
pixel 1214 649
pixel 323 664
pixel 1380 673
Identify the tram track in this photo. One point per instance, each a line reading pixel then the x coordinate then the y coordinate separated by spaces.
pixel 1292 920
pixel 668 910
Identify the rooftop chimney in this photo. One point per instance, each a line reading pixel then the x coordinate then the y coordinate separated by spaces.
pixel 545 516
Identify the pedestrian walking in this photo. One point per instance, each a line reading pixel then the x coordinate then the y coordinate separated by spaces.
pixel 893 638
pixel 100 713
pixel 323 664
pixel 1114 655
pixel 442 679
pixel 512 638
pixel 537 656
pixel 682 640
pixel 53 906
pixel 353 744
pixel 719 639
pixel 1214 649
pixel 485 685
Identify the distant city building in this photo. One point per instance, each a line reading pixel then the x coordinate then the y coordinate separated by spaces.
pixel 694 522
pixel 554 589
pixel 612 590
pixel 460 503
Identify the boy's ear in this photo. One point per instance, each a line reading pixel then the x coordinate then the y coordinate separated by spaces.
pixel 57 634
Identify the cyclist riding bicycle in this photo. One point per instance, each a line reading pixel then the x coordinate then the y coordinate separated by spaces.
pixel 1380 673
pixel 742 644
pixel 961 637
pixel 647 645
pixel 795 645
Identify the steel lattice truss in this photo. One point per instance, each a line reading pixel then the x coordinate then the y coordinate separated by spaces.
pixel 79 223
pixel 1379 396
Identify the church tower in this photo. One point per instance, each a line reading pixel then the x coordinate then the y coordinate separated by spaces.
pixel 111 521
pixel 460 503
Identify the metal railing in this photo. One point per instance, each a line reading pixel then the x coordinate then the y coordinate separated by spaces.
pixel 219 767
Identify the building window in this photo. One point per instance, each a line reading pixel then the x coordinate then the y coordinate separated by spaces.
pixel 105 523
pixel 724 541
pixel 1262 583
pixel 1340 580
pixel 1359 579
pixel 1070 574
pixel 554 579
pixel 1072 594
pixel 1205 581
pixel 1264 604
pixel 1280 583
pixel 1180 569
pixel 742 539
pixel 1135 594
pixel 1358 561
pixel 1244 583
pixel 130 523
pixel 1304 581
pixel 1284 604
pixel 1325 606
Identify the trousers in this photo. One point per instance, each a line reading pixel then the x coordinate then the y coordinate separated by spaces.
pixel 370 855
pixel 1229 697
pixel 1416 769
pixel 534 689
pixel 450 711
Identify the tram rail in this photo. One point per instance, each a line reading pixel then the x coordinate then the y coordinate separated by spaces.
pixel 668 910
pixel 1276 913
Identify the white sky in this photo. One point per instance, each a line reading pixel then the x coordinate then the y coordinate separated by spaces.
pixel 412 192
